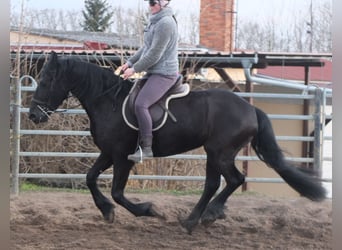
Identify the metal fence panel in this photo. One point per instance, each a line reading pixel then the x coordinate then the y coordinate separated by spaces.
pixel 17 132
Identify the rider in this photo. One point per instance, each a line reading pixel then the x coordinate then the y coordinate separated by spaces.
pixel 158 57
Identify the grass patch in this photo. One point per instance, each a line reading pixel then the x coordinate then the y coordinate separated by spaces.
pixel 31 187
pixel 25 186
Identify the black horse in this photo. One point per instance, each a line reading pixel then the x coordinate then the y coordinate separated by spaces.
pixel 216 119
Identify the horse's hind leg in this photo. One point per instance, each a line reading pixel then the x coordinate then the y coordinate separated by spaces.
pixel 106 207
pixel 212 183
pixel 215 208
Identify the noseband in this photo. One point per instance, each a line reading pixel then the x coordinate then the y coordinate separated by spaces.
pixel 42 106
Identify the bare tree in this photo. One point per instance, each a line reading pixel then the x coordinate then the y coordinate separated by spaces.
pixel 188 27
pixel 49 19
pixel 251 34
pixel 129 23
pixel 295 37
pixel 14 19
pixel 73 18
pixel 322 27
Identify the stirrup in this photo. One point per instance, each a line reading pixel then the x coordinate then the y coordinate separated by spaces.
pixel 139 155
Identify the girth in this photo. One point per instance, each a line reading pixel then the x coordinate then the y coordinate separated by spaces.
pixel 160 110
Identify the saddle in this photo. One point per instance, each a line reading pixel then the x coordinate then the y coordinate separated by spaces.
pixel 160 110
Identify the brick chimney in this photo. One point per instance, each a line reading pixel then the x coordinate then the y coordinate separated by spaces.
pixel 217 24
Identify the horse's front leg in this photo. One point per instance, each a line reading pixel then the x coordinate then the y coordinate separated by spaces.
pixel 106 207
pixel 120 178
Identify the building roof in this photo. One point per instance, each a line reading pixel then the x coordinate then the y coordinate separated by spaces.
pixel 113 49
pixel 320 74
pixel 198 58
pixel 112 40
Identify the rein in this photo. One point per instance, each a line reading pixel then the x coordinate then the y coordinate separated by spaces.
pixel 119 87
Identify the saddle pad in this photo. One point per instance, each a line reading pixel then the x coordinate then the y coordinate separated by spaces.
pixel 158 110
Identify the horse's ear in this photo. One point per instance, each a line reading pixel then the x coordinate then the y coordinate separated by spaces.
pixel 53 61
pixel 53 57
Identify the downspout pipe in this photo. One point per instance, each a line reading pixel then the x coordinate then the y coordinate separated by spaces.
pixel 247 64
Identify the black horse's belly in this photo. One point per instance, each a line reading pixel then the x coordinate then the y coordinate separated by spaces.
pixel 214 118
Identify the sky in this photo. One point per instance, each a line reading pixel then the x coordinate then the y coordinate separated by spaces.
pixel 282 13
pixel 253 9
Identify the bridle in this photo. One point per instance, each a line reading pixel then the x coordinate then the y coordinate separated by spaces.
pixel 43 107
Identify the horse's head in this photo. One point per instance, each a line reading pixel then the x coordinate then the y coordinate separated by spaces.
pixel 51 90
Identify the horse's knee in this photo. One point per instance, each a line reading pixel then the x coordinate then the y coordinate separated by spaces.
pixel 90 179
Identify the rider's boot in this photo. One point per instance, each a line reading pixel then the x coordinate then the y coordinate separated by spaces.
pixel 144 151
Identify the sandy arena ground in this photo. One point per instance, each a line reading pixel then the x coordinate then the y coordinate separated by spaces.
pixel 63 220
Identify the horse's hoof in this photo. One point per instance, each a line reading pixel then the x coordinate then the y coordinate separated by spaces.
pixel 149 209
pixel 188 225
pixel 211 215
pixel 154 212
pixel 207 222
pixel 108 214
pixel 109 217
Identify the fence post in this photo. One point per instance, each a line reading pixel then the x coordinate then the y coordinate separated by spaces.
pixel 318 136
pixel 15 148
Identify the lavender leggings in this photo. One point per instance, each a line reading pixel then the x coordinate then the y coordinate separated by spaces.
pixel 155 87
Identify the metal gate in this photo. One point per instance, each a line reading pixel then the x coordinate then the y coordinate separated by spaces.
pixel 319 98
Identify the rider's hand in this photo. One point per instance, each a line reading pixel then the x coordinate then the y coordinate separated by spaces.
pixel 128 72
pixel 124 67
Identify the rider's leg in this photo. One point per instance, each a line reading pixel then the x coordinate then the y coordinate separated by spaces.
pixel 155 87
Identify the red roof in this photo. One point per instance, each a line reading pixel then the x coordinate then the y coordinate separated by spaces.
pixel 322 74
pixel 87 45
pixel 96 45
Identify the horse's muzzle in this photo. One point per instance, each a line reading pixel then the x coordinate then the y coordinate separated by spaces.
pixel 37 116
pixel 38 119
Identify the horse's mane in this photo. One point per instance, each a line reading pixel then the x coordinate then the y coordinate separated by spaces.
pixel 95 80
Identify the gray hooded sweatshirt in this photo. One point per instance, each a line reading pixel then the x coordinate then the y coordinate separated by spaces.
pixel 159 54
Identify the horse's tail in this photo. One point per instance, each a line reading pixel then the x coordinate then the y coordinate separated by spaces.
pixel 267 149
